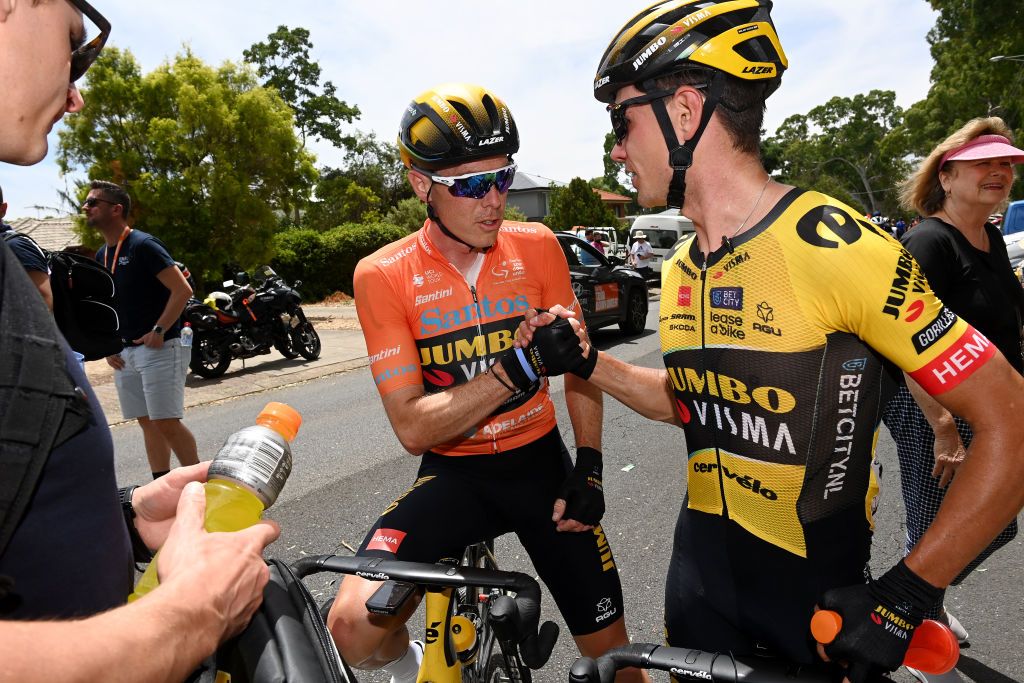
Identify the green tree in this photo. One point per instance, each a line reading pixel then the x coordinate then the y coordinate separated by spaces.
pixel 408 213
pixel 339 200
pixel 206 154
pixel 614 175
pixel 853 148
pixel 514 213
pixel 283 62
pixel 377 165
pixel 577 204
pixel 965 82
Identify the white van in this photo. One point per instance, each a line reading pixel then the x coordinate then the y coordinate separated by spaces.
pixel 663 230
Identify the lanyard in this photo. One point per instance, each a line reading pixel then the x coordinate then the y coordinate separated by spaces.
pixel 120 241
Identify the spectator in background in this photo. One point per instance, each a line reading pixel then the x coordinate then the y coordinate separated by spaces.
pixel 595 240
pixel 66 539
pixel 151 294
pixel 641 254
pixel 964 258
pixel 29 254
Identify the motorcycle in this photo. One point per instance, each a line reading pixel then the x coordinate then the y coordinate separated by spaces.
pixel 248 320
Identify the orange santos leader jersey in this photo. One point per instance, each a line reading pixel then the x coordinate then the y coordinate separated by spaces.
pixel 780 352
pixel 426 324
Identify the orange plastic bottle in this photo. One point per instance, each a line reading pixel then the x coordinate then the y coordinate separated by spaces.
pixel 245 478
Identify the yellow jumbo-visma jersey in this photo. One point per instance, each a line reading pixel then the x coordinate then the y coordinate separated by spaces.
pixel 780 353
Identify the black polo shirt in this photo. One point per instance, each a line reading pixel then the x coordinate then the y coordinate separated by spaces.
pixel 140 296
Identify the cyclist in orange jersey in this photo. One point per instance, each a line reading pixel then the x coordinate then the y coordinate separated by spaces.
pixel 439 309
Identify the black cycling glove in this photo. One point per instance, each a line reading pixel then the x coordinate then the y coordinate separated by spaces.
pixel 879 619
pixel 555 350
pixel 583 490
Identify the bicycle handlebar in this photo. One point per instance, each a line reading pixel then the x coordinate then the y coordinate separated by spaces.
pixel 516 619
pixel 686 664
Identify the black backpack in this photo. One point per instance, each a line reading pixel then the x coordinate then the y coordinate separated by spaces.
pixel 83 305
pixel 83 301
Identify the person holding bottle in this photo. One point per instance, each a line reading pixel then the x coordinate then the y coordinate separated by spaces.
pixel 66 535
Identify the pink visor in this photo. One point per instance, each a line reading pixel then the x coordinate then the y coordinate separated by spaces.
pixel 985 147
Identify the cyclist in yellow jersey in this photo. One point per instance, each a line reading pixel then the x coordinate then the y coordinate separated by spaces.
pixel 783 325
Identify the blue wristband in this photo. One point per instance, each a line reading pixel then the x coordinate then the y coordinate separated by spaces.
pixel 527 368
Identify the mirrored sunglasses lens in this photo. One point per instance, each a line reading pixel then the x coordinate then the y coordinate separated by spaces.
pixel 505 178
pixel 474 186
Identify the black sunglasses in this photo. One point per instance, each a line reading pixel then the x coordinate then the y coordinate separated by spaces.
pixel 83 57
pixel 617 110
pixel 93 201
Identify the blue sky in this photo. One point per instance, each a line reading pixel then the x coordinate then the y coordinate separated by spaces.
pixel 538 55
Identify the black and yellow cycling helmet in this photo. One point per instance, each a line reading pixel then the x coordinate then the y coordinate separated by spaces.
pixel 722 38
pixel 736 37
pixel 454 123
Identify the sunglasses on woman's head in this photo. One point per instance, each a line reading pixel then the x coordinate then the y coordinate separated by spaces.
pixel 476 185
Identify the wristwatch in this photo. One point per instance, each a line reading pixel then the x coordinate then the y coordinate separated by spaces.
pixel 158 329
pixel 140 553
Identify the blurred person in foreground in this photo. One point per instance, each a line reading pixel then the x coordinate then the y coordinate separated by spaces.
pixel 782 322
pixel 957 187
pixel 67 535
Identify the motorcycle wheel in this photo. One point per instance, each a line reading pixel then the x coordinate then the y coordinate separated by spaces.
pixel 209 359
pixel 286 346
pixel 306 341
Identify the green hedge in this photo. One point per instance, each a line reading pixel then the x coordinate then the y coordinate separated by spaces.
pixel 326 261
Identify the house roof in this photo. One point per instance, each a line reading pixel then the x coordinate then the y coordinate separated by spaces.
pixel 613 198
pixel 51 233
pixel 524 182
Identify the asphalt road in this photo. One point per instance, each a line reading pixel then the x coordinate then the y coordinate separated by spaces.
pixel 349 466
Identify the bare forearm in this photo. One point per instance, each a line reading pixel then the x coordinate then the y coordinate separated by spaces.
pixel 175 305
pixel 645 390
pixel 976 508
pixel 585 404
pixel 427 420
pixel 155 639
pixel 940 419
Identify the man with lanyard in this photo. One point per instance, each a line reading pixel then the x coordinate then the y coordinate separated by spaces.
pixel 798 310
pixel 151 294
pixel 438 310
pixel 66 536
pixel 28 252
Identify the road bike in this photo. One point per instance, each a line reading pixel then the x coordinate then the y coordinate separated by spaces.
pixel 482 624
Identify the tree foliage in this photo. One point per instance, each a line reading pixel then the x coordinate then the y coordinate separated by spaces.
pixel 577 204
pixel 852 148
pixel 206 154
pixel 326 261
pixel 965 83
pixel 283 62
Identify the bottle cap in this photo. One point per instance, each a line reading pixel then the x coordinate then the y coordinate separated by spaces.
pixel 825 626
pixel 282 418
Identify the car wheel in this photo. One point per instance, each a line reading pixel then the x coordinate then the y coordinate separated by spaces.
pixel 636 313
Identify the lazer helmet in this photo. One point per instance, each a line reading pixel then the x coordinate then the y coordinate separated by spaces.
pixel 454 123
pixel 721 38
pixel 736 37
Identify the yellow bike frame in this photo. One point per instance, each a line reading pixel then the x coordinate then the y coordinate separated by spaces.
pixel 447 635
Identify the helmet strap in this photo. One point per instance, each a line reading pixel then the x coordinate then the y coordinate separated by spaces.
pixel 680 157
pixel 434 217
